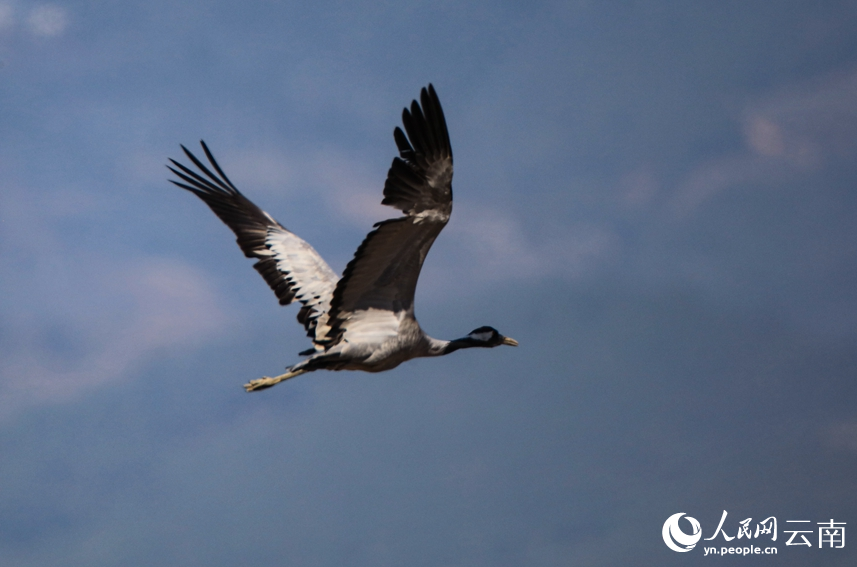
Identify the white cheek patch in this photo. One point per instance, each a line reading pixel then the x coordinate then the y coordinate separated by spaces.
pixel 484 337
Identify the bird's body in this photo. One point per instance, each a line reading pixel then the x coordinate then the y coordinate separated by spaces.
pixel 365 319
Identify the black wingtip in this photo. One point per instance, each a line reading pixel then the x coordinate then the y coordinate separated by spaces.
pixel 213 162
pixel 219 180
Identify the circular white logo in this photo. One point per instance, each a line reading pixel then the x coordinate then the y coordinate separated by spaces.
pixel 676 539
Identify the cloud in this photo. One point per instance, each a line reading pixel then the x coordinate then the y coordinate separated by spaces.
pixel 174 304
pixel 7 15
pixel 348 188
pixel 47 20
pixel 808 123
pixel 797 130
pixel 717 175
pixel 74 318
pixel 140 307
pixel 353 191
pixel 490 245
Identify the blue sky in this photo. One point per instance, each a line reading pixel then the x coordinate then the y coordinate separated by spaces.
pixel 655 198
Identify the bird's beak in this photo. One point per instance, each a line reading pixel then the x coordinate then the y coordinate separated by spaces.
pixel 510 341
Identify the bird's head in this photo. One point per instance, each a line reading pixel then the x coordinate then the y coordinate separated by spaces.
pixel 488 337
pixel 485 337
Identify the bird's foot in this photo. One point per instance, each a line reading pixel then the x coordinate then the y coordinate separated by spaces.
pixel 267 382
pixel 259 384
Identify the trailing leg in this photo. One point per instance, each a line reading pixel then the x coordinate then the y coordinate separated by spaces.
pixel 266 382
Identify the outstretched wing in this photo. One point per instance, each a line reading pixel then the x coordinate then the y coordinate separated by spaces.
pixel 292 268
pixel 383 274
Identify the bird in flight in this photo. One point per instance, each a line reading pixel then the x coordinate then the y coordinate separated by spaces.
pixel 365 319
